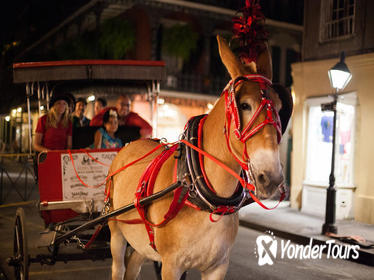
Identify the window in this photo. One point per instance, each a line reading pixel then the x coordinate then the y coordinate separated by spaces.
pixel 319 145
pixel 337 19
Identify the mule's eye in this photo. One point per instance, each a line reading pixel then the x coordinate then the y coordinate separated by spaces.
pixel 245 107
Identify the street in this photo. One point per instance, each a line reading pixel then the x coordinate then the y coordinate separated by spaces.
pixel 243 265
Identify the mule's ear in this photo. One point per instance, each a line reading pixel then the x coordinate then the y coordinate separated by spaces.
pixel 232 63
pixel 264 65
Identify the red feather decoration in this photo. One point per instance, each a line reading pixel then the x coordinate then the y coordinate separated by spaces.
pixel 249 32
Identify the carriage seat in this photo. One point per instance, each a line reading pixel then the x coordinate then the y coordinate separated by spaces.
pixel 83 137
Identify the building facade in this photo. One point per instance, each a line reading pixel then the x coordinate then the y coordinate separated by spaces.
pixel 333 26
pixel 181 33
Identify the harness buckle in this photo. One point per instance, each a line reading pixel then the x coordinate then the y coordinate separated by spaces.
pixel 192 191
pixel 142 188
pixel 282 189
pixel 106 208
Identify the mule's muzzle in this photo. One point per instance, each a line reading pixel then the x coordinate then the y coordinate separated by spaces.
pixel 268 182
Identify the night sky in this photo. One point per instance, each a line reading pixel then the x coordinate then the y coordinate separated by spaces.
pixel 22 22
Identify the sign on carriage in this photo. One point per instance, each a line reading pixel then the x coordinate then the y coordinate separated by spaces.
pixel 91 168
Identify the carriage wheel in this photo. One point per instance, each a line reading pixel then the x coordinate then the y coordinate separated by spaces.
pixel 20 251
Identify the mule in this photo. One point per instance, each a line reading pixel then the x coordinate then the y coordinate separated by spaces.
pixel 191 239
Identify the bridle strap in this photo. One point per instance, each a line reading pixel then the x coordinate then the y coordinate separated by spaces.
pixel 232 115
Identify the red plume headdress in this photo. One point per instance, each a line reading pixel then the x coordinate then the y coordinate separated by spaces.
pixel 249 34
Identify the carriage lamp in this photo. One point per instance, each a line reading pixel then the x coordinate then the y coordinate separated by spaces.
pixel 339 76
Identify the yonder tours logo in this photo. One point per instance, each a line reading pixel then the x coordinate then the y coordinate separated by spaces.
pixel 267 248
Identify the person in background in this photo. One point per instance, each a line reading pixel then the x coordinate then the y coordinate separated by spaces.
pixel 100 104
pixel 99 110
pixel 104 136
pixel 129 118
pixel 71 103
pixel 79 119
pixel 54 129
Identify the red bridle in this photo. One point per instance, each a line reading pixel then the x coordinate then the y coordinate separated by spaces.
pixel 232 115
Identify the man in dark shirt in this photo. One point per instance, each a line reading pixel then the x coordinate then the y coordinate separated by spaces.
pixel 79 119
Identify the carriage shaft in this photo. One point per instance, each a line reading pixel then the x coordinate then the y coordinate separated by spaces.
pixel 104 218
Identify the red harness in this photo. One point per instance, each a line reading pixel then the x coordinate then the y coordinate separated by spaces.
pixel 232 115
pixel 145 188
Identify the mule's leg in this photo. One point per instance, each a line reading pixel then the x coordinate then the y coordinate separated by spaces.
pixel 169 271
pixel 128 253
pixel 117 248
pixel 215 273
pixel 133 265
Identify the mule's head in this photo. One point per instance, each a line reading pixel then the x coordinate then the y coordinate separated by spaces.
pixel 254 128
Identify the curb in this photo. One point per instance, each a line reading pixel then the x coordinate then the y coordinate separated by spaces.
pixel 365 257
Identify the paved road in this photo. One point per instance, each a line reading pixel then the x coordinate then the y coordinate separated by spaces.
pixel 244 263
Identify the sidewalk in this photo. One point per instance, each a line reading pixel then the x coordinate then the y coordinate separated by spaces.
pixel 17 182
pixel 288 223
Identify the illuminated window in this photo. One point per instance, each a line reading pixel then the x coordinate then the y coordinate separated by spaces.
pixel 319 141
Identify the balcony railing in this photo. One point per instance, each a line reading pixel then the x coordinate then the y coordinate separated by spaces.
pixel 195 83
pixel 272 9
pixel 228 4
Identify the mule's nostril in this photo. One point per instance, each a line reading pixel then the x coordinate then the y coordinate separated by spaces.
pixel 262 179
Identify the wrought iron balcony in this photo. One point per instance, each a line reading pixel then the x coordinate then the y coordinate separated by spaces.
pixel 195 83
pixel 228 4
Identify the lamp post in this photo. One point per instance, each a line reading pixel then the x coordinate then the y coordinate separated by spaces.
pixel 339 76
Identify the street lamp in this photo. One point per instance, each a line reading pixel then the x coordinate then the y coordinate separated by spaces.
pixel 339 76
